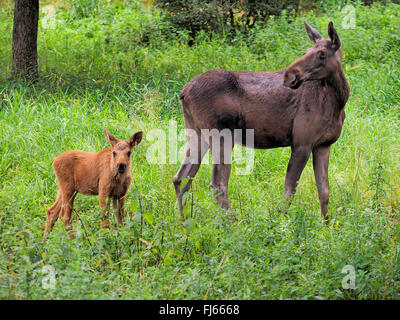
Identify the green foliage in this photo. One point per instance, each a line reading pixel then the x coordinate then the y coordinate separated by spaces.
pixel 221 15
pixel 234 16
pixel 120 66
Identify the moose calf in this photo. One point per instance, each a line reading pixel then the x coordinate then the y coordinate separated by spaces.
pixel 106 174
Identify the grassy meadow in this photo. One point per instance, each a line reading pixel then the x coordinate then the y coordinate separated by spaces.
pixel 119 65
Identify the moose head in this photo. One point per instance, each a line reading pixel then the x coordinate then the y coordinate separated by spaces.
pixel 318 62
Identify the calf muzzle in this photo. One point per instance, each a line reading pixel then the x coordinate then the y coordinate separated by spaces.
pixel 121 168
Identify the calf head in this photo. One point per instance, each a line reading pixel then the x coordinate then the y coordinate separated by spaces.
pixel 121 151
pixel 318 62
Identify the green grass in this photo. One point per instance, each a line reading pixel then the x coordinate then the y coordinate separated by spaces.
pixel 121 67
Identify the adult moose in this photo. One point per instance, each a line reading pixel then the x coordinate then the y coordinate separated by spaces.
pixel 301 107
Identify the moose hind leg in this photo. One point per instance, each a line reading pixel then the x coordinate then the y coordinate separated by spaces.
pixel 222 157
pixel 52 215
pixel 67 207
pixel 196 148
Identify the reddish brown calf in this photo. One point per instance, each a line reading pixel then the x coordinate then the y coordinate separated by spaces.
pixel 106 174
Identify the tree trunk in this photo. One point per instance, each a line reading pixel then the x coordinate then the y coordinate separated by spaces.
pixel 24 53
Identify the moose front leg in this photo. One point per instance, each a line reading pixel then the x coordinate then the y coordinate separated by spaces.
pixel 219 182
pixel 320 164
pixel 118 206
pixel 121 204
pixel 297 162
pixel 104 207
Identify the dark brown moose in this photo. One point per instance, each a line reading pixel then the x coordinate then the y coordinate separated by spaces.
pixel 301 106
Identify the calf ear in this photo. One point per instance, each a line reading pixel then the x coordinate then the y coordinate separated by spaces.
pixel 312 33
pixel 334 36
pixel 110 138
pixel 136 138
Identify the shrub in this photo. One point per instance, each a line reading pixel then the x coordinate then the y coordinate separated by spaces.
pixel 221 15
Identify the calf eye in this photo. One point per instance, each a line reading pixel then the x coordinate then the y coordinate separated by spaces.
pixel 322 55
pixel 114 154
pixel 129 153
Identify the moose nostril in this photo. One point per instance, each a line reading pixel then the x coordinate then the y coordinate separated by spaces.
pixel 121 168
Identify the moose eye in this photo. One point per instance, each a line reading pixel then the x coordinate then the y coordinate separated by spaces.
pixel 322 55
pixel 129 153
pixel 114 154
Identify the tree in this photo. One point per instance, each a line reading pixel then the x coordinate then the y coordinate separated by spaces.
pixel 24 51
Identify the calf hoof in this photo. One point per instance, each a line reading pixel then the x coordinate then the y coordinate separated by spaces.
pixel 282 210
pixel 233 218
pixel 105 224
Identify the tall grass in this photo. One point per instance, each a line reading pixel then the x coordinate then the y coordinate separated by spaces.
pixel 121 67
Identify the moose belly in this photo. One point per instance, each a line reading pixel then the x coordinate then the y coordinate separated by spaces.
pixel 263 138
pixel 256 127
pixel 269 141
pixel 271 127
pixel 87 186
pixel 87 190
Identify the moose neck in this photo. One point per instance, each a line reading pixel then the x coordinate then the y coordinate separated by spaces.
pixel 339 83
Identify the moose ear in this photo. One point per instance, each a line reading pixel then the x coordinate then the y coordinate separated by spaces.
pixel 110 138
pixel 334 36
pixel 136 138
pixel 312 33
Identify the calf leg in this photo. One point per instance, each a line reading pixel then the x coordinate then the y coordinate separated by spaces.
pixel 68 198
pixel 320 164
pixel 297 162
pixel 104 207
pixel 121 210
pixel 52 215
pixel 118 206
pixel 196 148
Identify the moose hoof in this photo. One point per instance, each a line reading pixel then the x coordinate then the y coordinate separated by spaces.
pixel 326 219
